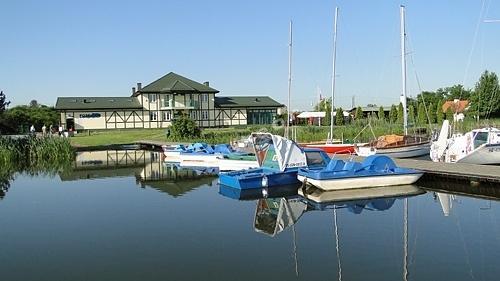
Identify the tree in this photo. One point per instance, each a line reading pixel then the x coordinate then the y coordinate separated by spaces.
pixel 33 103
pixel 422 116
pixel 400 113
pixel 439 112
pixel 411 114
pixel 432 113
pixel 381 113
pixel 486 98
pixel 184 128
pixel 359 113
pixel 325 105
pixel 3 102
pixel 339 118
pixel 449 114
pixel 393 114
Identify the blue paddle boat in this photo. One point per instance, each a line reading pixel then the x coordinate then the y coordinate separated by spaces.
pixel 279 160
pixel 375 170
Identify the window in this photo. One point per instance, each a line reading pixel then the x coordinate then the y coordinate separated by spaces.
pixel 152 97
pixel 194 115
pixel 153 116
pixel 167 102
pixel 204 97
pixel 204 114
pixel 167 116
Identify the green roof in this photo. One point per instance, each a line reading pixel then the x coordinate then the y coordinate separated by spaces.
pixel 93 103
pixel 246 101
pixel 173 82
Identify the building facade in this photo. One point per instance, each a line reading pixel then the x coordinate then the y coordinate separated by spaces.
pixel 159 103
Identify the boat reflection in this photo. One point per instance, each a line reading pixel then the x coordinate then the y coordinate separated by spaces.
pixel 273 215
pixel 146 166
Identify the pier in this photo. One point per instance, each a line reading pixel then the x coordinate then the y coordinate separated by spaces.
pixel 457 171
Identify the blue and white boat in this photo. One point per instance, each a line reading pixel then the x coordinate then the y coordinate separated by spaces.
pixel 375 170
pixel 222 157
pixel 279 160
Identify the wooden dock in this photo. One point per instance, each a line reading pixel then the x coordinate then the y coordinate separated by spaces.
pixel 459 171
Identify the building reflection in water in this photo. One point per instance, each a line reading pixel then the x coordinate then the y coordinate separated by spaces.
pixel 146 166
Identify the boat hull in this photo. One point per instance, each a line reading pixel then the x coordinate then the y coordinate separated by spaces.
pixel 334 148
pixel 253 178
pixel 343 183
pixel 396 152
pixel 221 164
pixel 488 154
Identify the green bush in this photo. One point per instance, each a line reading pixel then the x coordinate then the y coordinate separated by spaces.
pixel 184 128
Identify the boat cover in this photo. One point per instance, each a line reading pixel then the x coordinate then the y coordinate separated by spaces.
pixel 277 152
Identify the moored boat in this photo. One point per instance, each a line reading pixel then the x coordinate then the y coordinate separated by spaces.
pixel 479 146
pixel 375 170
pixel 278 159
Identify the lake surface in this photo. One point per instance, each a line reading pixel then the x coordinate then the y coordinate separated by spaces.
pixel 125 215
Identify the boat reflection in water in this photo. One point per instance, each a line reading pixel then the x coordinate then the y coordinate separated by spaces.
pixel 274 215
pixel 146 167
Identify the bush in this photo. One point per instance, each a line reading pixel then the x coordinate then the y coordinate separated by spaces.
pixel 184 128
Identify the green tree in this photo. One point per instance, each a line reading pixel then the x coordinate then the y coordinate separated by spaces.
pixel 339 117
pixel 411 114
pixel 432 113
pixel 393 114
pixel 184 128
pixel 449 114
pixel 485 98
pixel 359 113
pixel 325 105
pixel 439 112
pixel 422 116
pixel 400 116
pixel 381 113
pixel 3 102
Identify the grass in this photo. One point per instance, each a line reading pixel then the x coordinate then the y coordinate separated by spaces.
pixel 226 135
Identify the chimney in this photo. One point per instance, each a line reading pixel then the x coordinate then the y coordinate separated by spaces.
pixel 206 83
pixel 139 86
pixel 133 90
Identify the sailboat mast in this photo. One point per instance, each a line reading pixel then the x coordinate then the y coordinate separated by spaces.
pixel 333 69
pixel 403 68
pixel 287 129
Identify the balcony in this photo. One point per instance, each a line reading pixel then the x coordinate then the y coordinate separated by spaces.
pixel 170 105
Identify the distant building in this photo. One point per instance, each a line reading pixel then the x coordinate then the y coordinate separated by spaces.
pixel 159 103
pixel 371 110
pixel 457 106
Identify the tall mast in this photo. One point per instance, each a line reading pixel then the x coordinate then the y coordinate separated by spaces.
pixel 287 129
pixel 333 69
pixel 403 69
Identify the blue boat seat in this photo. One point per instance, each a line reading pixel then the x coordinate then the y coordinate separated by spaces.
pixel 352 166
pixel 378 162
pixel 335 165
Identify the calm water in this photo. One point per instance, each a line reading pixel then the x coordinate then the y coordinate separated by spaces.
pixel 126 216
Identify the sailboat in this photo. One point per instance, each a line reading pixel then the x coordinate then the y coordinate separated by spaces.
pixel 479 146
pixel 398 146
pixel 329 146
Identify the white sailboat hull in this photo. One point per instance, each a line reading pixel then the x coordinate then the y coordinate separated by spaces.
pixel 361 182
pixel 396 152
pixel 489 155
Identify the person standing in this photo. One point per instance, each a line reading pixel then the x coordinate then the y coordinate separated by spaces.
pixel 32 130
pixel 44 130
pixel 60 130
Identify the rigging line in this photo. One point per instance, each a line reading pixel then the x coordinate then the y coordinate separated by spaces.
pixel 337 246
pixel 493 95
pixel 467 260
pixel 474 40
pixel 419 86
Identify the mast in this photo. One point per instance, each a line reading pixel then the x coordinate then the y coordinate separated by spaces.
pixel 287 129
pixel 333 69
pixel 405 239
pixel 403 69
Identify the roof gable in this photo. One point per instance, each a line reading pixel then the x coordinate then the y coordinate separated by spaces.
pixel 457 106
pixel 173 82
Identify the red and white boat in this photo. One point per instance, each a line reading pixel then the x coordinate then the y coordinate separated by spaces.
pixel 334 148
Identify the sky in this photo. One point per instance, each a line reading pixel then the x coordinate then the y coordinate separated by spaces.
pixel 50 48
